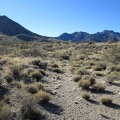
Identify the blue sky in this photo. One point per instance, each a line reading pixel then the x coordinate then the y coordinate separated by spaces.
pixel 54 17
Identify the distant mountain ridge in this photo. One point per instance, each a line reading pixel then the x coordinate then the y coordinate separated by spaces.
pixel 10 27
pixel 103 36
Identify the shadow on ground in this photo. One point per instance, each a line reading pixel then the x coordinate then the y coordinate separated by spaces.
pixel 116 84
pixel 113 105
pixel 93 101
pixel 52 108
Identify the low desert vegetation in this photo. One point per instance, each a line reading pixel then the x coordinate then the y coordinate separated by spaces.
pixel 85 95
pixel 30 70
pixel 42 97
pixel 107 100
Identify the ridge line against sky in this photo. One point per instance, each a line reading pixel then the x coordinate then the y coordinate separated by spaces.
pixel 54 17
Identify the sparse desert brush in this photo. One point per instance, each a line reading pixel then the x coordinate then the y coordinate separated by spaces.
pixel 98 73
pixel 57 70
pixel 38 62
pixel 81 71
pixel 85 84
pixel 100 66
pixel 16 71
pixel 40 86
pixel 42 97
pixel 30 110
pixel 32 88
pixel 112 77
pixel 76 78
pixel 8 78
pixel 107 100
pixel 36 74
pixel 55 65
pixel 113 68
pixel 98 87
pixel 5 112
pixel 92 63
pixel 90 78
pixel 85 95
pixel 65 56
pixel 82 57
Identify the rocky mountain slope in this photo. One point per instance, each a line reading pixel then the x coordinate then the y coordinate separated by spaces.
pixel 103 36
pixel 11 28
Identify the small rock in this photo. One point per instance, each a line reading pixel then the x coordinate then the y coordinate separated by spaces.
pixel 75 102
pixel 54 92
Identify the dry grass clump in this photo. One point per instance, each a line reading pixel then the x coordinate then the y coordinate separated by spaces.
pixel 15 71
pixel 8 78
pixel 85 95
pixel 32 88
pixel 114 68
pixel 55 65
pixel 36 74
pixel 39 63
pixel 65 56
pixel 42 97
pixel 91 79
pixel 31 111
pixel 81 71
pixel 85 84
pixel 76 78
pixel 112 77
pixel 99 87
pixel 40 86
pixel 5 111
pixel 57 70
pixel 106 100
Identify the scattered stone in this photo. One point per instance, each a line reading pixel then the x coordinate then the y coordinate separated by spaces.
pixel 75 102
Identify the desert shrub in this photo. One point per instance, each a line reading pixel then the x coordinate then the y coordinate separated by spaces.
pixel 42 97
pixel 57 70
pixel 113 54
pixel 30 52
pixel 65 56
pixel 91 79
pixel 39 63
pixel 55 65
pixel 82 57
pixel 100 66
pixel 40 86
pixel 8 78
pixel 76 78
pixel 85 95
pixel 114 68
pixel 112 77
pixel 31 111
pixel 81 71
pixel 106 100
pixel 85 84
pixel 36 75
pixel 5 112
pixel 98 87
pixel 16 71
pixel 32 88
pixel 97 73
